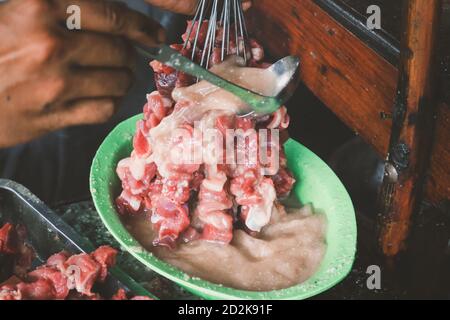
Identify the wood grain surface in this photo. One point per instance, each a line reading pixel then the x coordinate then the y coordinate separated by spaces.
pixel 413 123
pixel 355 82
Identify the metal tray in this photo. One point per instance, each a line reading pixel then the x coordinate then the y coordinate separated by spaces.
pixel 49 234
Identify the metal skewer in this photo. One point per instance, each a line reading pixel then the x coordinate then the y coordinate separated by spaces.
pixel 231 22
pixel 233 27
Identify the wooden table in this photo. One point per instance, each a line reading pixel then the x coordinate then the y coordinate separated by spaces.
pixel 355 72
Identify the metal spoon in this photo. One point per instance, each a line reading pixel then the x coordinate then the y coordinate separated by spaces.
pixel 286 70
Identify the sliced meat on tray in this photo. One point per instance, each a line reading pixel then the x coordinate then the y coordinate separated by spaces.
pixel 63 276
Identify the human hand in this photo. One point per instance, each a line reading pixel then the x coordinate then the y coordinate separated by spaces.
pixel 186 6
pixel 52 77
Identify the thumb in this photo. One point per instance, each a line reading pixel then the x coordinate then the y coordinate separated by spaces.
pixel 246 4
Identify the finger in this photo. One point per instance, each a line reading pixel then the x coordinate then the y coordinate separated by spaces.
pixel 82 112
pixel 94 83
pixel 246 5
pixel 116 18
pixel 101 50
pixel 179 6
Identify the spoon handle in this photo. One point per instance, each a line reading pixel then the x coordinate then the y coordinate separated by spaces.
pixel 259 103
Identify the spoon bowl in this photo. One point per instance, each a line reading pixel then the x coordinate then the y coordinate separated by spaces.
pixel 287 69
pixel 287 73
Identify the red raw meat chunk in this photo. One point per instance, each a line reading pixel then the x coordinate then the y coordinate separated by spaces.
pixel 257 50
pixel 165 83
pixel 128 204
pixel 279 119
pixel 183 80
pixel 169 220
pixel 245 123
pixel 211 214
pixel 120 295
pixel 141 298
pixel 8 239
pixel 136 175
pixel 159 67
pixel 216 57
pixel 167 78
pixel 154 193
pixel 140 143
pixel 192 34
pixel 41 289
pixel 157 107
pixel 283 182
pixel 243 187
pixel 59 275
pixel 135 172
pixel 106 257
pixel 176 190
pixel 58 280
pixel 223 234
pixel 211 200
pixel 10 292
pixel 82 272
pixel 57 260
pixel 223 123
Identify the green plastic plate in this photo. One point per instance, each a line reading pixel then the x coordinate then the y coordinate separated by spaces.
pixel 317 185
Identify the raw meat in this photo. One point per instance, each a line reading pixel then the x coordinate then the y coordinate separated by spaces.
pixel 12 242
pixel 81 272
pixel 63 276
pixel 205 199
pixel 122 295
pixel 41 289
pixel 58 281
pixel 106 257
pixel 7 234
